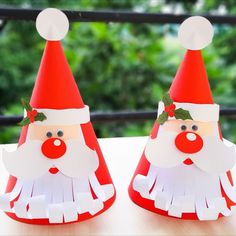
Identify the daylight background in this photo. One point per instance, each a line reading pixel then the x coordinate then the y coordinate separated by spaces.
pixel 117 66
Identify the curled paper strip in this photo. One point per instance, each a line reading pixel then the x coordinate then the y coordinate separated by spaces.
pixel 8 197
pixel 185 189
pixel 56 197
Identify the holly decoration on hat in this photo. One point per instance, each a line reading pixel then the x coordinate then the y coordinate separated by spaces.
pixel 32 114
pixel 171 111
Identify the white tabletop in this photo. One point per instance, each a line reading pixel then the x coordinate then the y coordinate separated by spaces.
pixel 124 217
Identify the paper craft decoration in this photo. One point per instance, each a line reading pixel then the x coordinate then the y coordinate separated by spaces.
pixel 58 173
pixel 185 169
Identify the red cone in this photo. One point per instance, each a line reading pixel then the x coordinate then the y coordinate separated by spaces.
pixel 56 94
pixel 154 184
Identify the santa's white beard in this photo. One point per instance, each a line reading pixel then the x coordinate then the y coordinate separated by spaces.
pixel 178 188
pixel 185 189
pixel 56 197
pixel 28 161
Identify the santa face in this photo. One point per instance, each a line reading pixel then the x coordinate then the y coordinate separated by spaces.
pixel 188 165
pixel 52 148
pixel 55 172
pixel 190 142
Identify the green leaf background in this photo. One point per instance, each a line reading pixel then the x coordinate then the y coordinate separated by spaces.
pixel 116 66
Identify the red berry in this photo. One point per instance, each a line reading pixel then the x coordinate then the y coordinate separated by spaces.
pixel 31 115
pixel 172 106
pixel 28 114
pixel 34 113
pixel 31 118
pixel 171 113
pixel 167 109
pixel 170 109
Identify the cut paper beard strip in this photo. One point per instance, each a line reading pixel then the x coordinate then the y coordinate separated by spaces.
pixel 20 206
pixel 103 192
pixel 58 198
pixel 229 189
pixel 143 184
pixel 7 198
pixel 212 197
pixel 182 202
pixel 182 190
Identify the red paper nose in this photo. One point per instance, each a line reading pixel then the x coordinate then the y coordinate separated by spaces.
pixel 188 142
pixel 53 148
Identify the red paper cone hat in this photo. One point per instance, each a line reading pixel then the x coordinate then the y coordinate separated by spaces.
pixel 55 87
pixel 65 179
pixel 184 171
pixel 191 81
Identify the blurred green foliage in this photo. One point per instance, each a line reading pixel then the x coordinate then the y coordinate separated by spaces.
pixel 117 66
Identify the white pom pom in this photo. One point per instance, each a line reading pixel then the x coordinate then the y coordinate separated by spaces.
pixel 52 24
pixel 195 33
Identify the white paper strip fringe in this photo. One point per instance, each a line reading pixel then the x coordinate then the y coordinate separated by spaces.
pixel 56 197
pixel 186 189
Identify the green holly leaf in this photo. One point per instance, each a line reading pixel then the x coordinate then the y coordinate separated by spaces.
pixel 24 122
pixel 40 117
pixel 182 114
pixel 162 118
pixel 167 100
pixel 26 104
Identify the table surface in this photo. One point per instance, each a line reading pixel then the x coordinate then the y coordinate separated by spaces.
pixel 124 217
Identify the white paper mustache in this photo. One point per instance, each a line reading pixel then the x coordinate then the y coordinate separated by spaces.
pixel 215 157
pixel 28 162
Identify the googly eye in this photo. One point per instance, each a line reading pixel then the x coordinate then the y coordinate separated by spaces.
pixel 183 127
pixel 60 133
pixel 49 134
pixel 194 127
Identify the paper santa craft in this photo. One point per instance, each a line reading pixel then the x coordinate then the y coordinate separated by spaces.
pixel 185 169
pixel 58 173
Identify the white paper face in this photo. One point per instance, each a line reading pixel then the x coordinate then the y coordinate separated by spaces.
pixel 213 157
pixel 29 162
